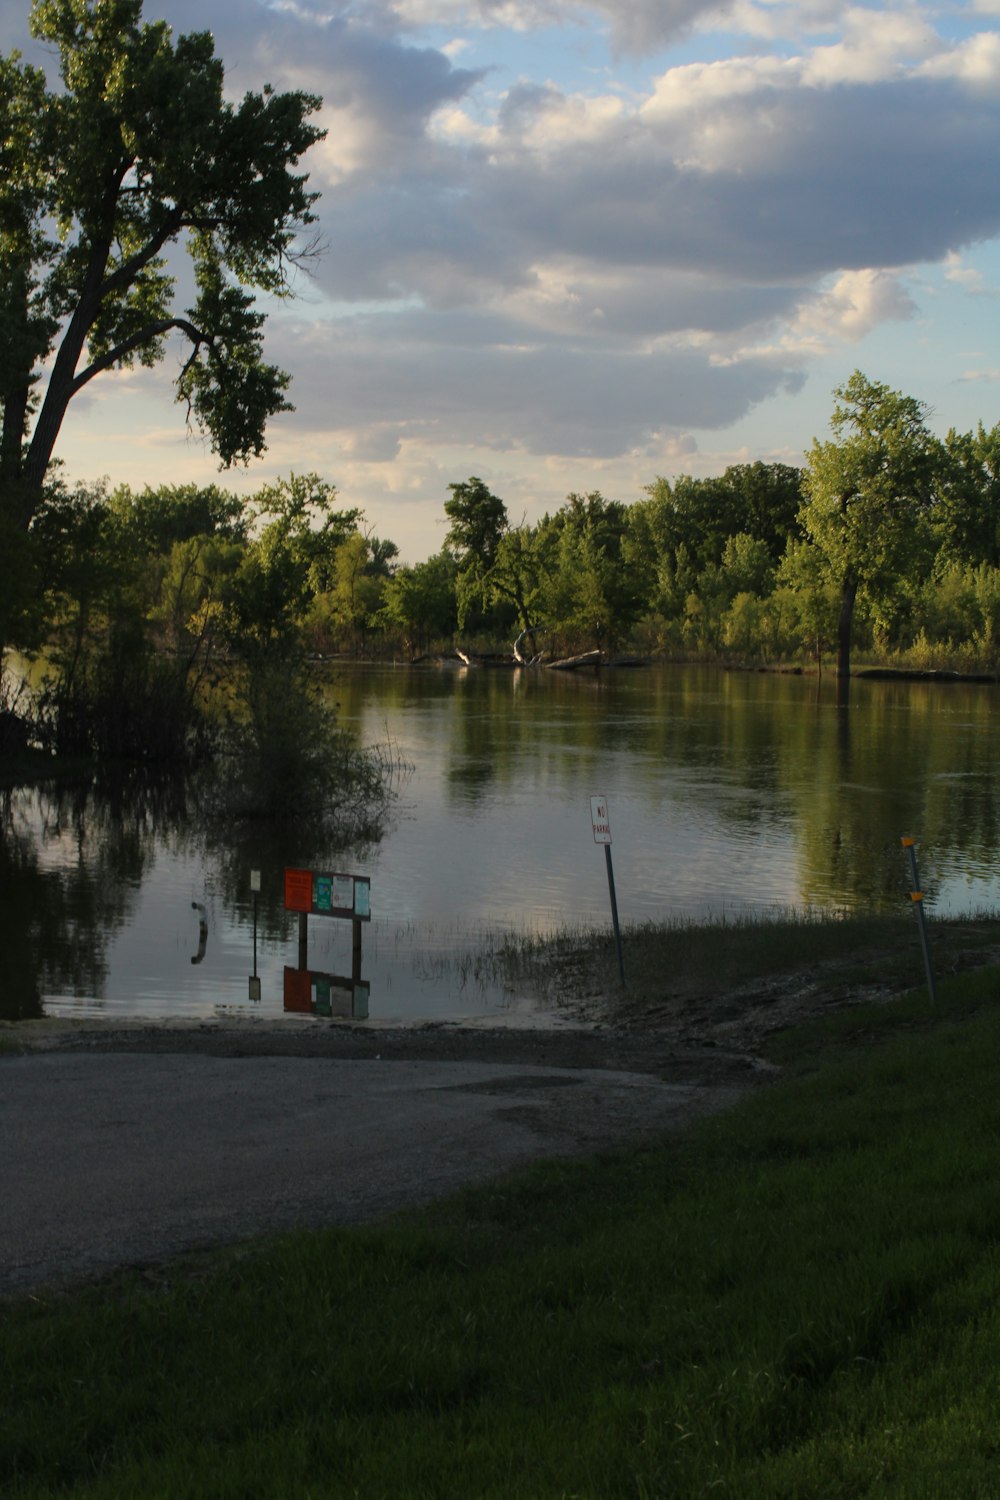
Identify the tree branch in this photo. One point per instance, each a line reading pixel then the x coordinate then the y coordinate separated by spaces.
pixel 129 269
pixel 143 336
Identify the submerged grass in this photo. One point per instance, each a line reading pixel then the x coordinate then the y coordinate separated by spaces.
pixel 799 1299
pixel 676 959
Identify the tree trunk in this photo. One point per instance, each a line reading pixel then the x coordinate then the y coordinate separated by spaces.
pixel 61 384
pixel 570 663
pixel 848 594
pixel 15 411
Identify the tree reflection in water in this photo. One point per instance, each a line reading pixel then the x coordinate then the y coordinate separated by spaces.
pixel 72 860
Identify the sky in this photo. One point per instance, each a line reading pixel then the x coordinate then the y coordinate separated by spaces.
pixel 578 244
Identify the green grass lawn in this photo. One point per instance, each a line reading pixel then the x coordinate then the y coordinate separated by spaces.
pixel 800 1298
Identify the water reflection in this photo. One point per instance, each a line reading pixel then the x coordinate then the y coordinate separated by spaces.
pixel 82 874
pixel 72 860
pixel 727 791
pixel 311 993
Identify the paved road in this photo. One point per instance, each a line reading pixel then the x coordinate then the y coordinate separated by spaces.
pixel 117 1159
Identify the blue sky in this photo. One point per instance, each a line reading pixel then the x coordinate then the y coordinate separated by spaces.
pixel 576 244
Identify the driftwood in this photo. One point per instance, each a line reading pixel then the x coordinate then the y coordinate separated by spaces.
pixel 570 663
pixel 528 661
pixel 594 658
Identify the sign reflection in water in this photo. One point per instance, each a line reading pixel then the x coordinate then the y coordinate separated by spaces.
pixel 731 791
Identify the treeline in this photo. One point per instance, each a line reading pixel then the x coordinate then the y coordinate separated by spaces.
pixel 887 541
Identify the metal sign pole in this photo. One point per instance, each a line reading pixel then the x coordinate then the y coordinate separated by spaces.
pixel 600 821
pixel 917 897
pixel 614 913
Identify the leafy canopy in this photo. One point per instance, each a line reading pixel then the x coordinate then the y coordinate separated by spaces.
pixel 137 151
pixel 868 493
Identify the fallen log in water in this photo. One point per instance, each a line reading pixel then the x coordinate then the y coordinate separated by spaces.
pixel 570 663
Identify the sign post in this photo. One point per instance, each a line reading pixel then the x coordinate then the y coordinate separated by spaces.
pixel 314 893
pixel 917 897
pixel 601 824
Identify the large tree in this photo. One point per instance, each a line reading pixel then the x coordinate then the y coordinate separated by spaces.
pixel 868 495
pixel 138 151
pixel 478 523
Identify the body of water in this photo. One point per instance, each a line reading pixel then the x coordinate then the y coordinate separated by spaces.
pixel 726 792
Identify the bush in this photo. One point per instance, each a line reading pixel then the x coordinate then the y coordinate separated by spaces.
pixel 285 756
pixel 124 702
pixel 19 729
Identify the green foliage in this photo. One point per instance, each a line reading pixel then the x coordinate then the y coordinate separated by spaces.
pixel 419 603
pixel 700 515
pixel 958 612
pixel 137 151
pixel 478 523
pixel 22 607
pixel 179 512
pixel 747 565
pixel 590 597
pixel 478 520
pixel 868 497
pixel 289 562
pixel 344 613
pixel 135 600
pixel 807 600
pixel 967 508
pixel 765 562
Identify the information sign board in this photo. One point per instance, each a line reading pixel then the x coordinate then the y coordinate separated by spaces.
pixel 328 895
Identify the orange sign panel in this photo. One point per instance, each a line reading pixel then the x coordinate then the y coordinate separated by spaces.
pixel 298 890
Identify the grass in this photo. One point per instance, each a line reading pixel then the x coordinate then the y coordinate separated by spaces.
pixel 798 1299
pixel 668 962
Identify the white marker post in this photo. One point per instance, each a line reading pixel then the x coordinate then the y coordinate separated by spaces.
pixel 601 824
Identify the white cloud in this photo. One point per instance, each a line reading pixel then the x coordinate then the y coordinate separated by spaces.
pixel 857 303
pixel 960 274
pixel 876 45
pixel 974 62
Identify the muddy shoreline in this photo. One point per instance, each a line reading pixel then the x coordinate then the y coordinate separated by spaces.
pixel 613 1048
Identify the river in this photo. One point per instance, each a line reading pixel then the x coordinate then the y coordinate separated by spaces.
pixel 726 792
